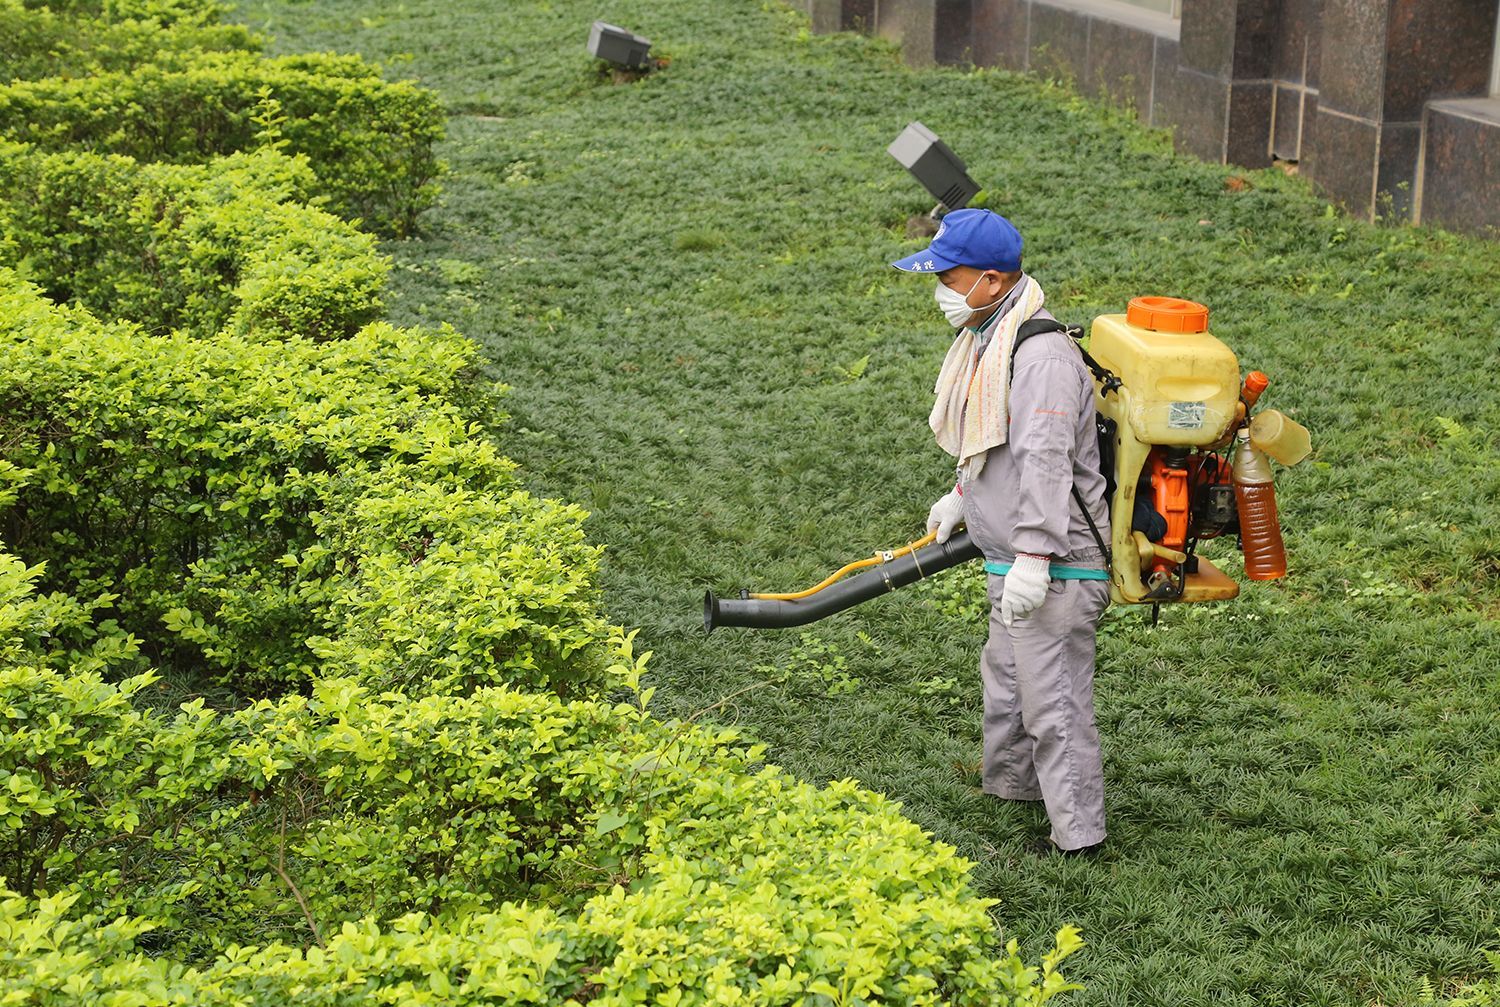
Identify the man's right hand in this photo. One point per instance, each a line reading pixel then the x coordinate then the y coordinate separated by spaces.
pixel 946 515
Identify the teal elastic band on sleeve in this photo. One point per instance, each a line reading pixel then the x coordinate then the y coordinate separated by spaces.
pixel 1057 572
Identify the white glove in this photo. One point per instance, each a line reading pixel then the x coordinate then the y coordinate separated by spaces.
pixel 1025 587
pixel 946 515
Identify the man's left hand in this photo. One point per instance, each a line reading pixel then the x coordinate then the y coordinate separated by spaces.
pixel 1025 587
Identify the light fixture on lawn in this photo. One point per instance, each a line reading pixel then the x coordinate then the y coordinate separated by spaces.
pixel 613 44
pixel 933 164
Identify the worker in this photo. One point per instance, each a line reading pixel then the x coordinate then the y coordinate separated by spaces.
pixel 1023 434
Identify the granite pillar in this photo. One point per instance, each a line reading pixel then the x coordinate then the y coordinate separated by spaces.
pixel 1296 46
pixel 1058 45
pixel 840 15
pixel 826 15
pixel 1381 62
pixel 1196 107
pixel 928 31
pixel 1165 59
pixel 1359 92
pixel 999 33
pixel 1120 64
pixel 1231 44
pixel 1460 166
pixel 859 15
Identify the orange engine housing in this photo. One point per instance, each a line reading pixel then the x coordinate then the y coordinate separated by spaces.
pixel 1170 495
pixel 1175 481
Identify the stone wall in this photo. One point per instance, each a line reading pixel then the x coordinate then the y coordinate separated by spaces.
pixel 1382 103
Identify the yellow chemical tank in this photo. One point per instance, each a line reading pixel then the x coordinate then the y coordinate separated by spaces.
pixel 1181 388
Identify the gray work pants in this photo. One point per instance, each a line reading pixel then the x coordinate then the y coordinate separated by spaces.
pixel 1040 740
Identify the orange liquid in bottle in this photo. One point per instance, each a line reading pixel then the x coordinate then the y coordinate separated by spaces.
pixel 1255 498
pixel 1260 531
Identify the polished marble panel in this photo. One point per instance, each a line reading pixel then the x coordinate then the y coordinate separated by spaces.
pixel 1461 167
pixel 1119 65
pixel 1000 33
pixel 1059 42
pixel 1341 160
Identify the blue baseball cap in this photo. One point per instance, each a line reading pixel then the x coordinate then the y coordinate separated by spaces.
pixel 979 238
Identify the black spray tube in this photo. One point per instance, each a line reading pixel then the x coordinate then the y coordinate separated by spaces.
pixel 765 613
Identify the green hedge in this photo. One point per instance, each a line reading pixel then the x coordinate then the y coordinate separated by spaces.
pixel 202 248
pixel 41 43
pixel 369 141
pixel 655 862
pixel 237 500
pixel 516 955
pixel 162 12
pixel 457 585
pixel 619 858
pixel 374 806
pixel 244 476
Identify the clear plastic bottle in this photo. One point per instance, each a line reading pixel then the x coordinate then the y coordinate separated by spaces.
pixel 1255 497
pixel 1280 437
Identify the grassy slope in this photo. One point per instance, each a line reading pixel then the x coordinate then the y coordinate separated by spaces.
pixel 679 277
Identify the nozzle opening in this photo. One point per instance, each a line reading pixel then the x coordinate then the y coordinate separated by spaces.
pixel 710 611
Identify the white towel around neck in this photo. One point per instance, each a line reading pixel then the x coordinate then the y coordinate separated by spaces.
pixel 971 414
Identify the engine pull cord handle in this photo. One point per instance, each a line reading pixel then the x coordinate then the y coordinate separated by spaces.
pixel 882 556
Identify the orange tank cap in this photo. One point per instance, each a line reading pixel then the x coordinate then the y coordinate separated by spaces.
pixel 1166 314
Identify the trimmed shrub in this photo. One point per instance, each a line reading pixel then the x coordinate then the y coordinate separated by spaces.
pixel 260 510
pixel 515 955
pixel 53 957
pixel 41 43
pixel 54 630
pixel 446 804
pixel 201 248
pixel 368 140
pixel 665 867
pixel 163 12
pixel 85 773
pixel 456 587
pixel 295 509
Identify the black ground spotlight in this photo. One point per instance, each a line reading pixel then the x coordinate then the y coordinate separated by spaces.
pixel 624 49
pixel 934 165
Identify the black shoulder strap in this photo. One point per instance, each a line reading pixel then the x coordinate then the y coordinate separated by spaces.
pixel 1036 326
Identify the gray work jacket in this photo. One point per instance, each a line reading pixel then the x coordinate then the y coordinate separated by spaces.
pixel 1022 500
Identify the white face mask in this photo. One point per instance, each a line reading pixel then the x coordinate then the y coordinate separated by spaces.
pixel 955 306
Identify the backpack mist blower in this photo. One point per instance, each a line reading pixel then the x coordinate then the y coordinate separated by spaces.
pixel 1183 458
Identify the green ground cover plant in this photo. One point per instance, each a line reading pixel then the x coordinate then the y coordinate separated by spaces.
pixel 684 279
pixel 368 139
pixel 1483 993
